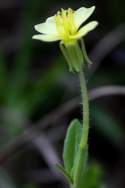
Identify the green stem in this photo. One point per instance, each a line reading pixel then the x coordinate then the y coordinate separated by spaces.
pixel 84 139
pixel 85 103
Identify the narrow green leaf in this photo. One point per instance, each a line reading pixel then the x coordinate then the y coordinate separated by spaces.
pixel 71 144
pixel 65 173
pixel 87 60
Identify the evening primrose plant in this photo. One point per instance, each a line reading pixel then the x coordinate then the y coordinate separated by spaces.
pixel 67 26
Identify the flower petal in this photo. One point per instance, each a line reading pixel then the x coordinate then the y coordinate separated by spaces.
pixel 85 29
pixel 82 14
pixel 48 27
pixel 46 38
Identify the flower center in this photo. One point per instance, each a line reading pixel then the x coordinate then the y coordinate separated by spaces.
pixel 65 24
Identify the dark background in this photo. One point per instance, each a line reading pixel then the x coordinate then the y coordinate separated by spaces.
pixel 39 97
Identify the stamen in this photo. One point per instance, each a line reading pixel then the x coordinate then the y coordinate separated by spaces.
pixel 65 23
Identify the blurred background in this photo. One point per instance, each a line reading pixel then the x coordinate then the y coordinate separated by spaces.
pixel 39 97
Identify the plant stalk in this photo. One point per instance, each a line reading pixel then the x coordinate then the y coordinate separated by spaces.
pixel 81 163
pixel 85 104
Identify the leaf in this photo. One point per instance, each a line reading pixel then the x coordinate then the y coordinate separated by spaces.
pixel 91 177
pixel 71 144
pixel 65 173
pixel 87 60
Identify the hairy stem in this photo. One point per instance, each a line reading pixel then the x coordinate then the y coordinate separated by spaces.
pixel 85 103
pixel 81 163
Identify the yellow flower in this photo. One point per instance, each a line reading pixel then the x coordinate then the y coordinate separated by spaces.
pixel 66 26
